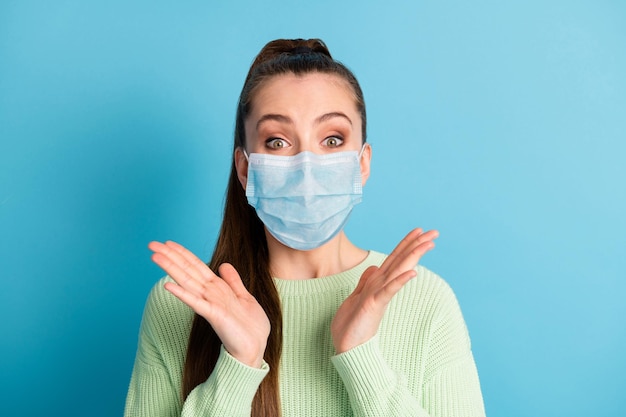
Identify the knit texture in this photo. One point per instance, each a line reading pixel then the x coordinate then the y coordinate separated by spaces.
pixel 419 364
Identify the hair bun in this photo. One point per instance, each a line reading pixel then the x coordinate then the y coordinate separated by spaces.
pixel 301 50
pixel 290 47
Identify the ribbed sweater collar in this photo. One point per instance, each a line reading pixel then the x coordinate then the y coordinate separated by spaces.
pixel 331 283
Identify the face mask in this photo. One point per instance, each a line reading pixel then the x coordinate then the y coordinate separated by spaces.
pixel 304 200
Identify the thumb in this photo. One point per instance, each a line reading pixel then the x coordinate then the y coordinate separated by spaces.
pixel 230 275
pixel 364 278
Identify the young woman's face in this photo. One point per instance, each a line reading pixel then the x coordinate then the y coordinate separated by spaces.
pixel 315 112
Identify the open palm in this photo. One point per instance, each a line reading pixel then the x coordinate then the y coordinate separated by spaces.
pixel 359 316
pixel 235 315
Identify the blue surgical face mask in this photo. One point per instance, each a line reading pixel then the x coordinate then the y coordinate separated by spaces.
pixel 304 200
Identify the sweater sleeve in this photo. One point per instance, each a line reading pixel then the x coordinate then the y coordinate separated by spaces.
pixel 229 391
pixel 373 387
pixel 450 383
pixel 155 386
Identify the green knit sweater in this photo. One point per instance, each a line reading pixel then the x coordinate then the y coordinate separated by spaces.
pixel 419 364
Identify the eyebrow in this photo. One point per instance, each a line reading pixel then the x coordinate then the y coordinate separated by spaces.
pixel 277 117
pixel 285 119
pixel 331 115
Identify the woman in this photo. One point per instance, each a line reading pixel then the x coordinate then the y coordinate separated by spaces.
pixel 289 317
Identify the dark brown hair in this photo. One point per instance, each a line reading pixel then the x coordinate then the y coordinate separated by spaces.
pixel 241 241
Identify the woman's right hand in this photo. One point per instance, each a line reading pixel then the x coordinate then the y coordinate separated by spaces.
pixel 235 315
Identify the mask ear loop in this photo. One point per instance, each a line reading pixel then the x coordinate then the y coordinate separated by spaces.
pixel 245 154
pixel 361 151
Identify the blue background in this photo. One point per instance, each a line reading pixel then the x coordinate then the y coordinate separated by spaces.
pixel 502 124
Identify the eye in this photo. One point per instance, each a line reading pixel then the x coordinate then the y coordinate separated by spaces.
pixel 333 141
pixel 276 143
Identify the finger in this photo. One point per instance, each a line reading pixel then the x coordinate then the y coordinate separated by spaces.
pixel 407 261
pixel 184 259
pixel 230 275
pixel 364 278
pixel 195 302
pixel 406 241
pixel 392 287
pixel 191 259
pixel 412 239
pixel 178 274
pixel 429 235
pixel 412 249
pixel 410 258
pixel 417 241
pixel 163 257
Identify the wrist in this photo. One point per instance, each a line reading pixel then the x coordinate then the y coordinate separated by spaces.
pixel 253 360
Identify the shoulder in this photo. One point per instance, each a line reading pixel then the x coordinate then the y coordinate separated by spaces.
pixel 165 314
pixel 427 290
pixel 163 337
pixel 426 280
pixel 431 281
pixel 159 298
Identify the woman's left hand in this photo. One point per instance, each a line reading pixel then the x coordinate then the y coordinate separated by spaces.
pixel 358 318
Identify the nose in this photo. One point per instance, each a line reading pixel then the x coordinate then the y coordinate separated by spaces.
pixel 303 144
pixel 307 149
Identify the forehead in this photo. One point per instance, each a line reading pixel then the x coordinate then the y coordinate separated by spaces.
pixel 310 89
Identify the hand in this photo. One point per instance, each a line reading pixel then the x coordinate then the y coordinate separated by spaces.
pixel 235 315
pixel 359 316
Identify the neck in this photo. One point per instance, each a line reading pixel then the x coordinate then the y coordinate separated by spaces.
pixel 336 256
